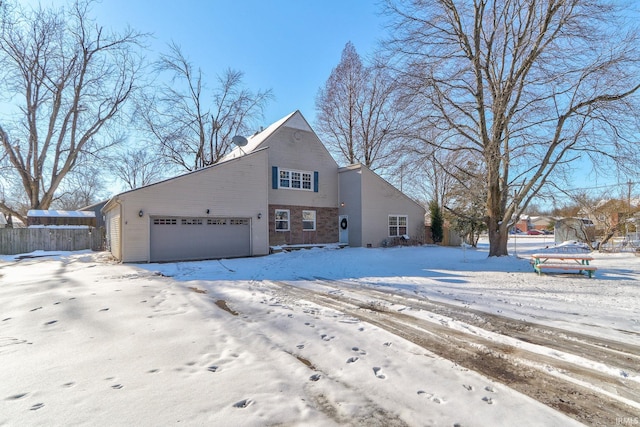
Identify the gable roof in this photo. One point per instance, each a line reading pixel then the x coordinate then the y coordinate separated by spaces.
pixel 294 120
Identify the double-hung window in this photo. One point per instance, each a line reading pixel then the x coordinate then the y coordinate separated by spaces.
pixel 296 180
pixel 282 220
pixel 309 220
pixel 397 225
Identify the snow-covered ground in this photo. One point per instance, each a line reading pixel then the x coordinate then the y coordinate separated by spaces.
pixel 249 342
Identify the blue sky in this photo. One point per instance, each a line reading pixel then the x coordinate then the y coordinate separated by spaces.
pixel 287 46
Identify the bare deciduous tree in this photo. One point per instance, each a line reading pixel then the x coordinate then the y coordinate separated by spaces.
pixel 70 79
pixel 139 167
pixel 194 129
pixel 356 116
pixel 526 86
pixel 82 187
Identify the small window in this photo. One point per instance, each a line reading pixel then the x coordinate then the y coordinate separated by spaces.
pixel 397 225
pixel 282 220
pixel 295 180
pixel 309 220
pixel 284 179
pixel 164 221
pixel 306 181
pixel 192 221
pixel 217 221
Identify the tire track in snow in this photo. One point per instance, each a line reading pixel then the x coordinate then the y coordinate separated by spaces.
pixel 577 391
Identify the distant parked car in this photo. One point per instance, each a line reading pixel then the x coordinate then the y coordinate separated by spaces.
pixel 534 232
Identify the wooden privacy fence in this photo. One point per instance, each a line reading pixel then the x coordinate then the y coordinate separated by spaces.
pixel 24 240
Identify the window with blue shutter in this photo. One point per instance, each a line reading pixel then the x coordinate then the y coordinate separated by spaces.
pixel 293 179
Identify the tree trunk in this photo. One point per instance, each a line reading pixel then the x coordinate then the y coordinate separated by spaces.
pixel 498 237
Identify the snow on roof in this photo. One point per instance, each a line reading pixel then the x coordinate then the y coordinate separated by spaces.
pixel 294 120
pixel 58 213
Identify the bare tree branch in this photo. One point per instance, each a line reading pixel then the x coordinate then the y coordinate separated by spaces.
pixel 529 85
pixel 74 79
pixel 192 127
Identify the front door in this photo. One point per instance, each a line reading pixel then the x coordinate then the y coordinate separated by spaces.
pixel 343 226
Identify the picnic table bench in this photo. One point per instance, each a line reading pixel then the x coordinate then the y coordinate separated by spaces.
pixel 563 261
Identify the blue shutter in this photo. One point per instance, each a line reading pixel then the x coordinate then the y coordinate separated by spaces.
pixel 315 182
pixel 274 177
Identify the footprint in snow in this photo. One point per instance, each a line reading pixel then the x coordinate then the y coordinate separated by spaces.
pixel 490 389
pixel 488 400
pixel 36 406
pixel 117 386
pixel 432 397
pixel 359 350
pixel 104 309
pixel 17 396
pixel 377 371
pixel 315 377
pixel 468 387
pixel 352 360
pixel 243 403
pixel 326 337
pixel 212 368
pixel 51 322
pixel 300 346
pixel 35 309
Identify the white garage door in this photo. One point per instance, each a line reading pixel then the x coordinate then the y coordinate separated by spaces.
pixel 182 239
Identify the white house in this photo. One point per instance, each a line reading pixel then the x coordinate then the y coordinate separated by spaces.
pixel 281 188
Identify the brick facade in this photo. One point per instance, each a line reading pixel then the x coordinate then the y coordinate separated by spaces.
pixel 326 226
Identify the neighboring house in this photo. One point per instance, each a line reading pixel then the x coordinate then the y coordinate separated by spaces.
pixel 96 208
pixel 524 223
pixel 53 217
pixel 542 222
pixel 279 187
pixel 3 220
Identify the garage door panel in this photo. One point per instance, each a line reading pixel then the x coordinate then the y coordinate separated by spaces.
pixel 174 239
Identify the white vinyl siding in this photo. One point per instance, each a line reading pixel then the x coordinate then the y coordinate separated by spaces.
pixel 113 224
pixel 208 195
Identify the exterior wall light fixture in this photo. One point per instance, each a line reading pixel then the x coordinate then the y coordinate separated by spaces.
pixel 140 213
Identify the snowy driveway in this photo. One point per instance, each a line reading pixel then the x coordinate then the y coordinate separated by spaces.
pixel 401 336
